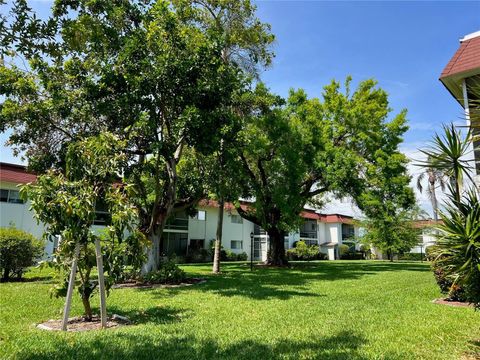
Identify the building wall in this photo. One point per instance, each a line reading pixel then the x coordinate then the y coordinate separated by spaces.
pixel 19 216
pixel 207 230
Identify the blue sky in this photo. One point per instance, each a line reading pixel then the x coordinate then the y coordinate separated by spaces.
pixel 404 45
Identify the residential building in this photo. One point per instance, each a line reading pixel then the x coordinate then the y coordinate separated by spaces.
pixel 183 232
pixel 461 77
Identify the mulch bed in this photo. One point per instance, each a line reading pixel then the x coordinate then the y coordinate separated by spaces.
pixel 80 324
pixel 139 285
pixel 452 303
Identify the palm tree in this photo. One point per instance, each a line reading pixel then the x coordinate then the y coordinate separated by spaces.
pixel 434 177
pixel 447 155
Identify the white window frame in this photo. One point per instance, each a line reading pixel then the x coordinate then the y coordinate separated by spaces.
pixel 197 217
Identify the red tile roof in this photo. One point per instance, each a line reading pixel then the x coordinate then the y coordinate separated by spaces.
pixel 15 173
pixel 306 213
pixel 465 59
pixel 420 224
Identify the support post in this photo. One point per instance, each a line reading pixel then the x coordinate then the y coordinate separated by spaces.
pixel 71 285
pixel 101 283
pixel 251 251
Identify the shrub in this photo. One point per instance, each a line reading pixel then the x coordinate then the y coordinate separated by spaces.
pixel 302 251
pixel 353 255
pixel 412 256
pixel 343 250
pixel 168 273
pixel 198 256
pixel 242 256
pixel 445 283
pixel 18 250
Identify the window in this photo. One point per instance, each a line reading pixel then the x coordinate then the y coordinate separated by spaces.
pixel 11 196
pixel 200 215
pixel 236 219
pixel 236 245
pixel 3 195
pixel 197 243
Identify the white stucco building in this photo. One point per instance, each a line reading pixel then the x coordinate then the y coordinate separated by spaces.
pixel 185 232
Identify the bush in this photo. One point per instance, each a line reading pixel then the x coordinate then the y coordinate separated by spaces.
pixel 445 283
pixel 343 250
pixel 198 256
pixel 242 256
pixel 304 252
pixel 168 273
pixel 412 256
pixel 18 250
pixel 353 255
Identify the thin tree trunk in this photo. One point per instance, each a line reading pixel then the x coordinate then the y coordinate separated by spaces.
pixel 71 284
pixel 87 307
pixel 101 283
pixel 218 239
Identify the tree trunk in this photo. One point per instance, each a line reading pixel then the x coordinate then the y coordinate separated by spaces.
pixel 277 247
pixel 86 307
pixel 218 239
pixel 390 255
pixel 433 197
pixel 6 273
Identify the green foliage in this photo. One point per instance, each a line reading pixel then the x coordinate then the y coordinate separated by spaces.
pixel 394 233
pixel 302 251
pixel 294 151
pixel 457 250
pixel 18 250
pixel 446 284
pixel 456 256
pixel 66 205
pixel 447 155
pixel 343 250
pixel 168 273
pixel 409 256
pixel 198 255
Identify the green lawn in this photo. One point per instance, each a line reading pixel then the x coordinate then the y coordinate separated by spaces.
pixel 322 310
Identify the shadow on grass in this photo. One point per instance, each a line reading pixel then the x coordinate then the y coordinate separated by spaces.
pixel 121 345
pixel 266 283
pixel 153 315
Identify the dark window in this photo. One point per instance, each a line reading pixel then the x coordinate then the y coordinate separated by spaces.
pixel 3 195
pixel 11 196
pixel 197 243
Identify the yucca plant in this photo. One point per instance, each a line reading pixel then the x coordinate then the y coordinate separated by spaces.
pixel 458 244
pixel 446 154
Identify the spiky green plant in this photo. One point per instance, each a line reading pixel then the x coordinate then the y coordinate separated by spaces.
pixel 458 243
pixel 447 154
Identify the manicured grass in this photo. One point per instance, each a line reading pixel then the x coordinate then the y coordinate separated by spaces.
pixel 320 310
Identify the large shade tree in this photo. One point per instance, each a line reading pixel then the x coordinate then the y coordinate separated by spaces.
pixel 152 72
pixel 294 151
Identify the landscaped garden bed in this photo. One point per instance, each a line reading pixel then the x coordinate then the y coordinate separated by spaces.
pixel 79 323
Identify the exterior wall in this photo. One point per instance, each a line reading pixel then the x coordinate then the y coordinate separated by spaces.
pixel 198 229
pixel 427 239
pixel 19 216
